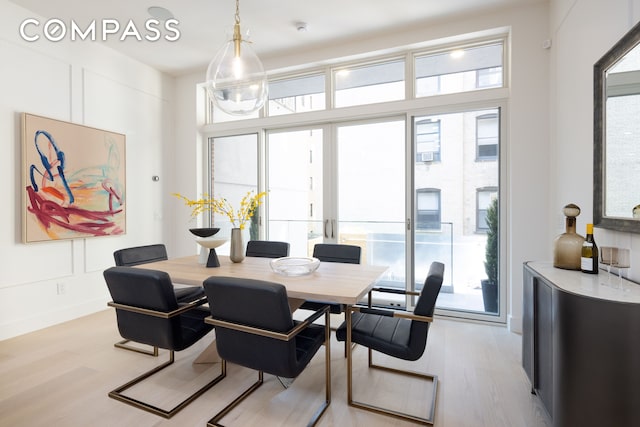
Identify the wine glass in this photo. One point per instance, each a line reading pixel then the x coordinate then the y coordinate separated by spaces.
pixel 623 263
pixel 608 257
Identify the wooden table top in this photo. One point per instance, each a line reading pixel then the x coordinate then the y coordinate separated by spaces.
pixel 331 282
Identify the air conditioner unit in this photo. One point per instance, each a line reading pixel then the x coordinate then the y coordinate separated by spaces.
pixel 426 157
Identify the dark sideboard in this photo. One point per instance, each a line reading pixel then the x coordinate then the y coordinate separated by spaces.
pixel 581 346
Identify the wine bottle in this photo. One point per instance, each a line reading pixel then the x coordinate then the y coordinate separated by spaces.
pixel 589 260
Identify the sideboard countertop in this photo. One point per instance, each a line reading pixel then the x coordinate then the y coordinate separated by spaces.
pixel 589 285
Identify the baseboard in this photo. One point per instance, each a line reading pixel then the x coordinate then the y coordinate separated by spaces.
pixel 514 323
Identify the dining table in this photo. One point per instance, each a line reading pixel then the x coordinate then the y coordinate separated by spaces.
pixel 332 282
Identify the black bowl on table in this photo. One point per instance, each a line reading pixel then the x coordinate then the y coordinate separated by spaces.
pixel 204 231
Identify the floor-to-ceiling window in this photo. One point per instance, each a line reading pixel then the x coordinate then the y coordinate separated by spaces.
pixel 295 183
pixel 351 158
pixel 452 195
pixel 234 172
pixel 370 191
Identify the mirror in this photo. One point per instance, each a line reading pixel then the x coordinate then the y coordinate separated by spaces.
pixel 616 156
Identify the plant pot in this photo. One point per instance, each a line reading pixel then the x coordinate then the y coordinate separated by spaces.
pixel 490 296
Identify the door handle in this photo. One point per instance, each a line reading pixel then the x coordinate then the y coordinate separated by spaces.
pixel 333 226
pixel 326 222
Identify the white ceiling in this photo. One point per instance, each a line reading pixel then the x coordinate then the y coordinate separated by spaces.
pixel 204 24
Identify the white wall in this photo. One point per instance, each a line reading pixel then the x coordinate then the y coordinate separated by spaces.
pixel 188 161
pixel 527 178
pixel 583 31
pixel 84 83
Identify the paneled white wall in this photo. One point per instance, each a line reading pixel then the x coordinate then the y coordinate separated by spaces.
pixel 89 84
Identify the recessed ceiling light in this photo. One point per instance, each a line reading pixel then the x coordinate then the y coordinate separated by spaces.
pixel 160 13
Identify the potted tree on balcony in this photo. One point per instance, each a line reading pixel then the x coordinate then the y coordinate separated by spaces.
pixel 490 285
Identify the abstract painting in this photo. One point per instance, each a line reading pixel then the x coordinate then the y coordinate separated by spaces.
pixel 73 180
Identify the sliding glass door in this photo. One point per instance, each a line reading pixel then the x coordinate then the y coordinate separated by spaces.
pixel 338 183
pixel 370 188
pixel 234 172
pixel 407 191
pixel 295 184
pixel 455 183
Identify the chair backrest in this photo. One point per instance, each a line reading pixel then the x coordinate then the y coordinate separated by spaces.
pixel 259 304
pixel 424 307
pixel 267 249
pixel 152 291
pixel 329 252
pixel 432 284
pixel 129 257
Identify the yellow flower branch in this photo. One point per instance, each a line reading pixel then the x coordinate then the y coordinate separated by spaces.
pixel 248 205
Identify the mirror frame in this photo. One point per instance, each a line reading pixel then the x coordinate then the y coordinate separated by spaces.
pixel 624 45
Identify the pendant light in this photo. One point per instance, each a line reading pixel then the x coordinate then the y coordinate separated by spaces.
pixel 236 80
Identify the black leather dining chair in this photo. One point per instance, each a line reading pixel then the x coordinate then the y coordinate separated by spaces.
pixel 399 334
pixel 255 329
pixel 147 312
pixel 330 252
pixel 267 249
pixel 129 257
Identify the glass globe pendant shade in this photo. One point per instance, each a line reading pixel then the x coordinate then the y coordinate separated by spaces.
pixel 236 80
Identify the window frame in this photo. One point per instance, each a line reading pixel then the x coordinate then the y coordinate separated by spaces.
pixel 480 72
pixel 492 157
pixel 435 153
pixel 407 55
pixel 435 223
pixel 292 78
pixel 357 66
pixel 416 56
pixel 411 106
pixel 493 193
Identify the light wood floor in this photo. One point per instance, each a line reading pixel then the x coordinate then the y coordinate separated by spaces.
pixel 60 376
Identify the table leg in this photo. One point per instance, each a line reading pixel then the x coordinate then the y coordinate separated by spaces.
pixel 208 355
pixel 295 303
pixel 349 349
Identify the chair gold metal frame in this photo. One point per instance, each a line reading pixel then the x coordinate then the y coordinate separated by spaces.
pixel 214 421
pixel 129 257
pixel 408 340
pixel 371 364
pixel 125 346
pixel 117 393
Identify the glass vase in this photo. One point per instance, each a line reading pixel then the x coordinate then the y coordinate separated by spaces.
pixel 236 254
pixel 567 247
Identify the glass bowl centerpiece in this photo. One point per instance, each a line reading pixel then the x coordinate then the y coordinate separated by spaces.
pixel 294 266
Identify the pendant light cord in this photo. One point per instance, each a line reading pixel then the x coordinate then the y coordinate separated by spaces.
pixel 237 36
